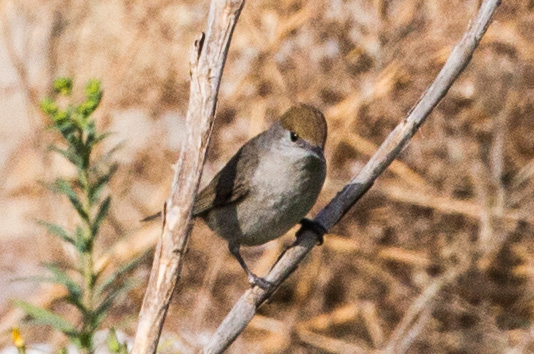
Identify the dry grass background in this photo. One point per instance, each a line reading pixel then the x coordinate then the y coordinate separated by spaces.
pixel 438 257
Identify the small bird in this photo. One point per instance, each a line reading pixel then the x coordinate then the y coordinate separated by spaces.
pixel 269 185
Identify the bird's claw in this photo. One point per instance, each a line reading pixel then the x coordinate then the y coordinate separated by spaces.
pixel 314 226
pixel 261 282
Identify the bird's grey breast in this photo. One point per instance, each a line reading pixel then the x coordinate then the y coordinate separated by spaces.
pixel 283 190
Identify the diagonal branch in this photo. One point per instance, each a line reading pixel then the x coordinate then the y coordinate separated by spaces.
pixel 207 63
pixel 243 311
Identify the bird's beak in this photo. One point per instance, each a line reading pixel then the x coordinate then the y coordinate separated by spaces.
pixel 318 151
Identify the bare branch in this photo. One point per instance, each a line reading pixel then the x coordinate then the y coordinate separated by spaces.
pixel 207 63
pixel 243 311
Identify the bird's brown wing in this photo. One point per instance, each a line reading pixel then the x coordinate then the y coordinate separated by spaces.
pixel 228 186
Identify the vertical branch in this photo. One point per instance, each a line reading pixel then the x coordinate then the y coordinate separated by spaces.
pixel 207 63
pixel 246 307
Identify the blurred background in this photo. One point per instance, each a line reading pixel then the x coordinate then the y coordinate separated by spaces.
pixel 437 257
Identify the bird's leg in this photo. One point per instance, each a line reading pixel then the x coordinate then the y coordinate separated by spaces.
pixel 253 279
pixel 317 228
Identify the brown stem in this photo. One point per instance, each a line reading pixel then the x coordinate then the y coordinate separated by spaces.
pixel 207 63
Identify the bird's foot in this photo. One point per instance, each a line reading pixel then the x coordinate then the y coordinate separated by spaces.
pixel 261 282
pixel 314 226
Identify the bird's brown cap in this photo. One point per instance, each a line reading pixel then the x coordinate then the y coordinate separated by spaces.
pixel 307 122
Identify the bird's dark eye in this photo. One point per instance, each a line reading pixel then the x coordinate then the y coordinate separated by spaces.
pixel 294 136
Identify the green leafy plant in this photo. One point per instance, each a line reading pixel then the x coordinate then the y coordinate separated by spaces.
pixel 114 345
pixel 90 295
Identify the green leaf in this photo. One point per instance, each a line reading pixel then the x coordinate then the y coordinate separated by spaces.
pixel 45 317
pixel 114 279
pixel 68 298
pixel 35 278
pixel 114 345
pixel 57 230
pixel 99 137
pixel 85 340
pixel 49 106
pixel 90 133
pixel 101 182
pixel 64 187
pixel 88 107
pixel 113 342
pixel 75 292
pixel 76 303
pixel 102 213
pixel 50 186
pixel 63 85
pixel 69 155
pixel 79 119
pixel 101 311
pixel 61 277
pixel 60 118
pixel 93 90
pixel 65 126
pixel 107 156
pixel 81 240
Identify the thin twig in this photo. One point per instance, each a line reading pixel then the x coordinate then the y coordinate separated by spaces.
pixel 399 338
pixel 207 63
pixel 243 311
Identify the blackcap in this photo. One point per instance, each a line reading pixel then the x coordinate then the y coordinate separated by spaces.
pixel 269 185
